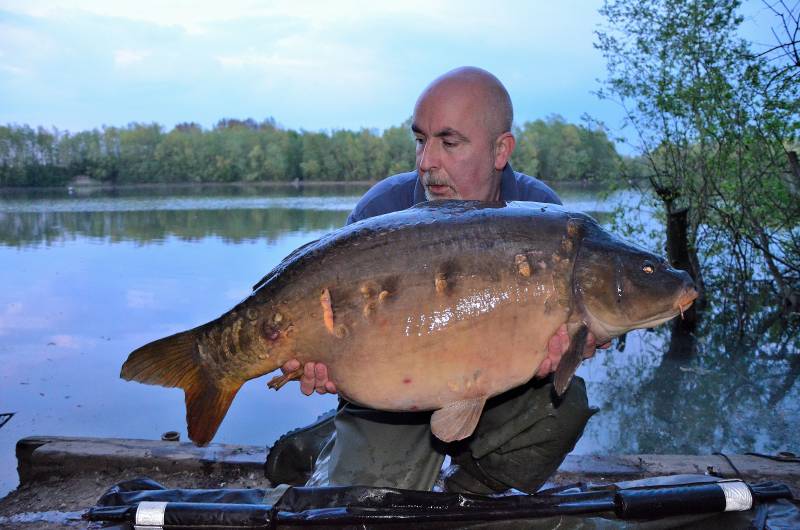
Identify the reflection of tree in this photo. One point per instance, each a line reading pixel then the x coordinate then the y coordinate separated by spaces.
pixel 28 228
pixel 205 190
pixel 733 387
pixel 789 379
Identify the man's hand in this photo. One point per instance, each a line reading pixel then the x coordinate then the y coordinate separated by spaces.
pixel 558 345
pixel 315 377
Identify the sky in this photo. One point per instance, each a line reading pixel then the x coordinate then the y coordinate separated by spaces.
pixel 325 65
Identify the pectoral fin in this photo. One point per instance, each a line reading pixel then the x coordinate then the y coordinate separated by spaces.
pixel 457 420
pixel 569 363
pixel 278 381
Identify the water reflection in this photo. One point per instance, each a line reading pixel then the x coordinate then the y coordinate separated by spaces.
pixel 201 190
pixel 730 387
pixel 232 213
pixel 234 225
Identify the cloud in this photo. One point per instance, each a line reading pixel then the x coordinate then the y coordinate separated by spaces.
pixel 199 17
pixel 67 341
pixel 21 48
pixel 14 317
pixel 260 60
pixel 125 57
pixel 13 70
pixel 138 299
pixel 311 65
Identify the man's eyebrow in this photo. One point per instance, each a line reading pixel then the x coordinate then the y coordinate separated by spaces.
pixel 451 133
pixel 447 132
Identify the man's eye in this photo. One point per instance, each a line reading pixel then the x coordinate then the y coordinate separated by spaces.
pixel 449 144
pixel 419 141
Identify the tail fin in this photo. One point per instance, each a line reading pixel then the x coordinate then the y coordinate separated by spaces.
pixel 172 362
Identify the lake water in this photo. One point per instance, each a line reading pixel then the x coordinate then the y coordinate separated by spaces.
pixel 88 277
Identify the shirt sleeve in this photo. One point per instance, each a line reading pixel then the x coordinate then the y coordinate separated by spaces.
pixel 532 189
pixel 389 195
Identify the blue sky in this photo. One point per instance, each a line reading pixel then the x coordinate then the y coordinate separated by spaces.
pixel 311 65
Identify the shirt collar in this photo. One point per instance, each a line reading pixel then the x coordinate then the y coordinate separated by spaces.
pixel 508 186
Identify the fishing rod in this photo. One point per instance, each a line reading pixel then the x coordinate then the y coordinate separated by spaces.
pixel 339 506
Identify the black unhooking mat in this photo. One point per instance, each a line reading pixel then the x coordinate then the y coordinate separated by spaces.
pixel 655 503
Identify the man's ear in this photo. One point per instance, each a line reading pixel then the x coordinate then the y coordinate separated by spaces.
pixel 503 147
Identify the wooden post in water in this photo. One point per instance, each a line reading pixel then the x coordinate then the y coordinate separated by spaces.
pixel 681 256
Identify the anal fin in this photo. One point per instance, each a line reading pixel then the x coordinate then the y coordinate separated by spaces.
pixel 206 404
pixel 569 363
pixel 457 420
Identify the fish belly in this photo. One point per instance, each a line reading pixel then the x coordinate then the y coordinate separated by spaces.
pixel 429 359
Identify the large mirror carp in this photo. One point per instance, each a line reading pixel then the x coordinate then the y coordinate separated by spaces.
pixel 438 307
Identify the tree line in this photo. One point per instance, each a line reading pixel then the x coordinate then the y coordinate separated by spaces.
pixel 250 151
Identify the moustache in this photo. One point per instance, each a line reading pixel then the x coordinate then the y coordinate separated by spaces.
pixel 430 180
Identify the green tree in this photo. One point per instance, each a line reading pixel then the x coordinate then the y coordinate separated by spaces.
pixel 400 152
pixel 711 119
pixel 137 151
pixel 249 151
pixel 554 150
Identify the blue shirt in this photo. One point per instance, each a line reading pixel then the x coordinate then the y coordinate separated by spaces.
pixel 404 190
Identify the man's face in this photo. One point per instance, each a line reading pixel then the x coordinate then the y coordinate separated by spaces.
pixel 455 158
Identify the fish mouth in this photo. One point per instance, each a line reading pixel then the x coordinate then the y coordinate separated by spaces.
pixel 685 300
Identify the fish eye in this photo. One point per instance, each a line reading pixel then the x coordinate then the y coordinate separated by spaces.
pixel 648 268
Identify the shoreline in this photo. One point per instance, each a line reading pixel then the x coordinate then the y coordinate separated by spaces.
pixel 153 185
pixel 63 475
pixel 244 184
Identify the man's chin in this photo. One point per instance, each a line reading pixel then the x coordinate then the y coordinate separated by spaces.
pixel 440 193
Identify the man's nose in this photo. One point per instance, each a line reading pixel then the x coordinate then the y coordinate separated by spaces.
pixel 429 157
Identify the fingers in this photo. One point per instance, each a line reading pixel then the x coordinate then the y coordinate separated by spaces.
pixel 557 346
pixel 307 381
pixel 544 368
pixel 290 366
pixel 320 378
pixel 323 385
pixel 314 378
pixel 563 337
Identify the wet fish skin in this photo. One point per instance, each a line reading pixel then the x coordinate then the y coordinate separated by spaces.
pixel 438 307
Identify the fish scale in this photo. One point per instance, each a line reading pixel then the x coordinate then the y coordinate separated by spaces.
pixel 438 307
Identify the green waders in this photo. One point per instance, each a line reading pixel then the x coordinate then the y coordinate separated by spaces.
pixel 521 439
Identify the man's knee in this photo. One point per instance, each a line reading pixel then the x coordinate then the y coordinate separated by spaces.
pixel 540 440
pixel 376 448
pixel 571 413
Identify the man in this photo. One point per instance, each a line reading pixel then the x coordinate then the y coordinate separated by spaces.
pixel 462 128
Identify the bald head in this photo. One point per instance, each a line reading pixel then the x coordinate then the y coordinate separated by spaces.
pixel 462 129
pixel 480 91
